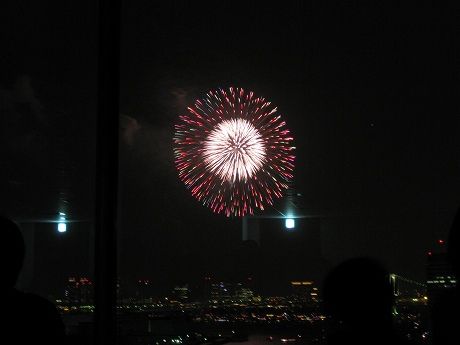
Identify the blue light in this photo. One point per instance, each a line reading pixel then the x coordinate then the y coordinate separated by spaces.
pixel 289 223
pixel 62 227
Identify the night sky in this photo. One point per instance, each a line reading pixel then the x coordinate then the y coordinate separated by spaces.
pixel 367 91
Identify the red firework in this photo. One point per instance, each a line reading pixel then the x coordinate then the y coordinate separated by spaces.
pixel 234 152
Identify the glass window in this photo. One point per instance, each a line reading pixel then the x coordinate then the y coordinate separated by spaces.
pixel 48 90
pixel 259 147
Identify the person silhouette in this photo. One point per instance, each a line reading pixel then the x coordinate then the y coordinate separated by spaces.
pixel 358 299
pixel 27 318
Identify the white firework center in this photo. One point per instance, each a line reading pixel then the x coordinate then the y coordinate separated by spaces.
pixel 234 150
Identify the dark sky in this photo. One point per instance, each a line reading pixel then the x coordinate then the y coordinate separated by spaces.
pixel 368 92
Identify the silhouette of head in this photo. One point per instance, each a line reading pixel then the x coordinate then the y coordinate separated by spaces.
pixel 12 253
pixel 358 292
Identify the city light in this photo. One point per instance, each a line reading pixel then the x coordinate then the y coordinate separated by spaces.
pixel 289 223
pixel 62 222
pixel 62 227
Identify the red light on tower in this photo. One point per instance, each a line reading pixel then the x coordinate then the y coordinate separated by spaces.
pixel 441 241
pixel 429 253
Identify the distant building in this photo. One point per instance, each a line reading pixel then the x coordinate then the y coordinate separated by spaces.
pixel 181 293
pixel 222 293
pixel 304 292
pixel 143 291
pixel 79 291
pixel 119 291
pixel 243 295
pixel 439 273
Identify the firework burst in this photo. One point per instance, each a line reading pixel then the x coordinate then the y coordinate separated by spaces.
pixel 233 152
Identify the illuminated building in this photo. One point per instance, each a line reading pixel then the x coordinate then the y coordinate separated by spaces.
pixel 79 291
pixel 439 273
pixel 143 292
pixel 181 293
pixel 221 293
pixel 304 292
pixel 229 293
pixel 244 295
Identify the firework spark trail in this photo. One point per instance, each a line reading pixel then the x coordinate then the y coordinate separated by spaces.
pixel 233 152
